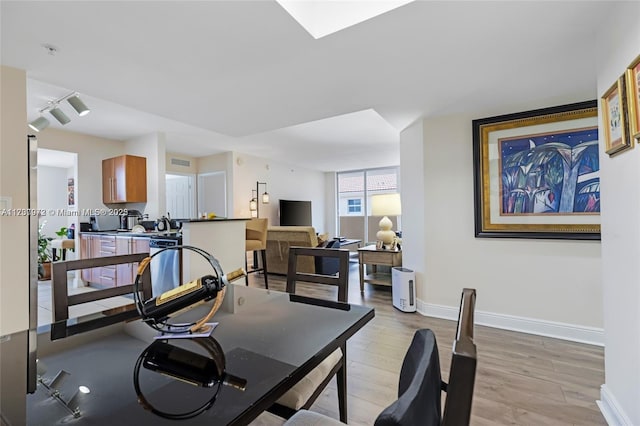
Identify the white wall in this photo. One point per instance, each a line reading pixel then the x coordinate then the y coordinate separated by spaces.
pixel 533 280
pixel 91 151
pixel 414 214
pixel 330 199
pixel 284 181
pixel 219 163
pixel 191 169
pixel 52 194
pixel 14 232
pixel 14 246
pixel 618 44
pixel 152 147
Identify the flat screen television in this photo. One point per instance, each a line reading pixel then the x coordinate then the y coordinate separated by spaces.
pixel 295 213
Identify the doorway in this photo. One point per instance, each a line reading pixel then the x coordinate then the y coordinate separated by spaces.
pixel 57 197
pixel 180 191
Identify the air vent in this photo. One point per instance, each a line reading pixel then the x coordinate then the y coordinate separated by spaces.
pixel 179 162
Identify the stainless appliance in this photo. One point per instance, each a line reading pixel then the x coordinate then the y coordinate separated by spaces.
pixel 165 267
pixel 131 219
pixel 104 222
pixel 163 224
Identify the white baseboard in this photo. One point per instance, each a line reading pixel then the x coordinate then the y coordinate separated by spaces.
pixel 575 333
pixel 611 410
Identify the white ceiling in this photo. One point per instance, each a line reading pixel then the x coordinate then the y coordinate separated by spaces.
pixel 245 76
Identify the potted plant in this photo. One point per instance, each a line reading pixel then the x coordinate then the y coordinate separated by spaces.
pixel 44 254
pixel 62 232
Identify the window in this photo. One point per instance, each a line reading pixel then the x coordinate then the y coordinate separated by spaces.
pixel 355 189
pixel 354 206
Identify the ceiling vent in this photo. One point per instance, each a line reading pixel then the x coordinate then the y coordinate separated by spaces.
pixel 180 162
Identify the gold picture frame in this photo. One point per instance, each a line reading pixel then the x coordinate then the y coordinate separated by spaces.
pixel 633 97
pixel 524 187
pixel 615 118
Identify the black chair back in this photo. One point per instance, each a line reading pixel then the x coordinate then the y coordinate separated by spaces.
pixel 419 391
pixel 462 374
pixel 420 387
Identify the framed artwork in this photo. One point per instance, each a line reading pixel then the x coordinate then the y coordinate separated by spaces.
pixel 633 97
pixel 614 119
pixel 71 197
pixel 537 174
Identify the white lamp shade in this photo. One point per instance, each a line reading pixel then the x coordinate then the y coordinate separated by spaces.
pixel 265 198
pixel 386 205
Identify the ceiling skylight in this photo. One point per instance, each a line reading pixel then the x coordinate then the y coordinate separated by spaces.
pixel 324 17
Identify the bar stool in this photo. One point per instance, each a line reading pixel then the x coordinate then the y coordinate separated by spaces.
pixel 256 240
pixel 63 245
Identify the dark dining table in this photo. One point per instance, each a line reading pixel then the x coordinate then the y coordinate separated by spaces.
pixel 270 339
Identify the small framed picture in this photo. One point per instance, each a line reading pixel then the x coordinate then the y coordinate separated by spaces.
pixel 71 191
pixel 379 245
pixel 633 97
pixel 614 117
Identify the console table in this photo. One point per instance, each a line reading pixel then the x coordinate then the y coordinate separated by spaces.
pixel 346 242
pixel 372 256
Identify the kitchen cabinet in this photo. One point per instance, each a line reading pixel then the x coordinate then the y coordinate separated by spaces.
pixel 126 272
pixel 92 246
pixel 87 251
pixel 106 275
pixel 101 245
pixel 124 179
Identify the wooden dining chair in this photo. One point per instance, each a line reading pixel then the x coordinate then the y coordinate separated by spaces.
pixel 307 390
pixel 420 387
pixel 256 241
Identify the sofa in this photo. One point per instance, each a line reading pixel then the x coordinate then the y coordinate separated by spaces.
pixel 280 238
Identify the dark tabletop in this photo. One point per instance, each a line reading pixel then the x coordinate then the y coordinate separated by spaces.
pixel 270 339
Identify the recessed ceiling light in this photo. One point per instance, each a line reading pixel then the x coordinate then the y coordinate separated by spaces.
pixel 50 48
pixel 321 17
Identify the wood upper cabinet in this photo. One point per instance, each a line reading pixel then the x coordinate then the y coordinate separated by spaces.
pixel 124 179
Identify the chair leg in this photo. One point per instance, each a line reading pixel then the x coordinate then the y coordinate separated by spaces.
pixel 341 377
pixel 264 268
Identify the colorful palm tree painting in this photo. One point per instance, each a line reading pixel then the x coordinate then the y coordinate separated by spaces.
pixel 551 173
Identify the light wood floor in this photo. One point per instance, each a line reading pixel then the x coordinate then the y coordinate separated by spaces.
pixel 521 379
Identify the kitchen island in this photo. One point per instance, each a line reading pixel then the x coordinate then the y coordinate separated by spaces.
pixel 224 239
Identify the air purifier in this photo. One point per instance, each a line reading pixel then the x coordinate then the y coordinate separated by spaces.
pixel 403 289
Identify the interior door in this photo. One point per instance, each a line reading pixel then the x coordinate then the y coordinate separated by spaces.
pixel 180 196
pixel 212 193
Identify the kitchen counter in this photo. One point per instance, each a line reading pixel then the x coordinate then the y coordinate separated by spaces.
pixel 215 219
pixel 147 234
pixel 222 238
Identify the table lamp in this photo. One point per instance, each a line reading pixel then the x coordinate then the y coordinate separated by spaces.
pixel 386 205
